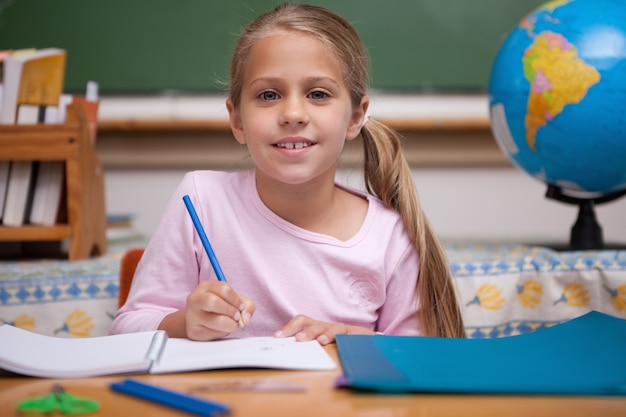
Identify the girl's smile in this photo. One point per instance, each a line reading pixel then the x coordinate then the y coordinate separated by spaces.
pixel 294 143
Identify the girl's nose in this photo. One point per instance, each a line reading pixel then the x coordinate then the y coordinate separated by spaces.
pixel 294 112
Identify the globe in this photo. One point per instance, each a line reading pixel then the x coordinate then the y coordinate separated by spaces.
pixel 557 98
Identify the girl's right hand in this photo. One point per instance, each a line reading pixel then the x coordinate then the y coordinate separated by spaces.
pixel 215 310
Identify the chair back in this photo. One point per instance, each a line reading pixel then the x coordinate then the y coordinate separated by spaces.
pixel 128 265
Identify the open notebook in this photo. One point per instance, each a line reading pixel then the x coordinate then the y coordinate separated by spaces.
pixel 32 354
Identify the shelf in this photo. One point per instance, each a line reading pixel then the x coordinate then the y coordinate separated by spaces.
pixel 28 233
pixel 84 182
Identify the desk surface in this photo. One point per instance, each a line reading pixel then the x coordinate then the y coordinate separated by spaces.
pixel 320 397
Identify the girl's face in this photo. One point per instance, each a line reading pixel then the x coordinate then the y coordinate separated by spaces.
pixel 295 112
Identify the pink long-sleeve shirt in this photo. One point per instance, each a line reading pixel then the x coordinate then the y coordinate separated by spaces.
pixel 368 280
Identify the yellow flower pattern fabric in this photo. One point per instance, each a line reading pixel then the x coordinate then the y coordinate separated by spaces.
pixel 574 295
pixel 488 296
pixel 529 293
pixel 504 289
pixel 618 297
pixel 64 298
pixel 78 323
pixel 514 289
pixel 23 321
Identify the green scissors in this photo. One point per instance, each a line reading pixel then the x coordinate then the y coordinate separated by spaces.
pixel 58 400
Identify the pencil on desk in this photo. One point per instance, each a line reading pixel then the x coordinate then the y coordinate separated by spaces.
pixel 205 242
pixel 170 398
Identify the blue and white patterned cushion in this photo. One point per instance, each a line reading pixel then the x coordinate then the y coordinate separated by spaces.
pixel 512 289
pixel 504 289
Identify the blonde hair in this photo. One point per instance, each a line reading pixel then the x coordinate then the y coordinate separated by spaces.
pixel 387 174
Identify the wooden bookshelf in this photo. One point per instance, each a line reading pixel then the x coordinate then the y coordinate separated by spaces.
pixel 85 228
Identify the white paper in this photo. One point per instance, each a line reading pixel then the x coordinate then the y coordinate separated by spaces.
pixel 33 354
pixel 253 352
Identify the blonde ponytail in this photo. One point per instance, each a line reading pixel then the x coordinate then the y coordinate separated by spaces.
pixel 388 176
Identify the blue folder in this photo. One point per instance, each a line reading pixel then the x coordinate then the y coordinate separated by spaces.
pixel 583 356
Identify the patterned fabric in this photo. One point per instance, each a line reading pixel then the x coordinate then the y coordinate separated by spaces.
pixel 62 298
pixel 505 289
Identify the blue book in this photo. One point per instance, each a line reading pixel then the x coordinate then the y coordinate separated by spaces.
pixel 583 356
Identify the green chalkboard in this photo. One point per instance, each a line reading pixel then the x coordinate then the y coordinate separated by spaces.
pixel 146 46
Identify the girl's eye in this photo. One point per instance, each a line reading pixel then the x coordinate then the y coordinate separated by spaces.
pixel 318 95
pixel 268 95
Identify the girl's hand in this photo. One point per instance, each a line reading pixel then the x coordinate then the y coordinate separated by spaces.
pixel 215 310
pixel 305 328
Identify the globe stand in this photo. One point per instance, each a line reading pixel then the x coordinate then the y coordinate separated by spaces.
pixel 586 232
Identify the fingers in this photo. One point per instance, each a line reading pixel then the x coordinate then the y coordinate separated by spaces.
pixel 304 328
pixel 248 311
pixel 328 335
pixel 214 310
pixel 217 297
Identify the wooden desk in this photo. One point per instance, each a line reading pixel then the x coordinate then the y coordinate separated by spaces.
pixel 320 398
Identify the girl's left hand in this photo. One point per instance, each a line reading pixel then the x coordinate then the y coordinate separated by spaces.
pixel 305 328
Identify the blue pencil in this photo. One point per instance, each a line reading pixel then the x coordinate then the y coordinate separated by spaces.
pixel 204 239
pixel 207 245
pixel 170 398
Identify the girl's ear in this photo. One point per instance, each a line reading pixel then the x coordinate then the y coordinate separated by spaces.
pixel 235 122
pixel 358 116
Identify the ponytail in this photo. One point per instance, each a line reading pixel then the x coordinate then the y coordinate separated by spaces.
pixel 388 176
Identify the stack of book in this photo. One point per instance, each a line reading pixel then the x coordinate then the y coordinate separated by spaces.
pixel 31 92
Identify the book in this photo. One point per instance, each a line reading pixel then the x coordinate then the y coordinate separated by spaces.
pixel 32 354
pixel 47 193
pixel 3 54
pixel 583 356
pixel 20 185
pixel 19 193
pixel 50 180
pixel 5 167
pixel 33 76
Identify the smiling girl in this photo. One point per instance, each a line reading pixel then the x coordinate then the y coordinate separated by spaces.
pixel 304 256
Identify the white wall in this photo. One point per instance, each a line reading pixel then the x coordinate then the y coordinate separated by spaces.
pixel 478 204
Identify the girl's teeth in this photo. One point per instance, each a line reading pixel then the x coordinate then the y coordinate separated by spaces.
pixel 298 145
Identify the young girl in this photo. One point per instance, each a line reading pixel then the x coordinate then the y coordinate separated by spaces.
pixel 303 256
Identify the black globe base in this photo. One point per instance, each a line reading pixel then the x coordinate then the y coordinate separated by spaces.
pixel 586 233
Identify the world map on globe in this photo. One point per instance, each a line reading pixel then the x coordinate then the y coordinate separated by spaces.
pixel 557 95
